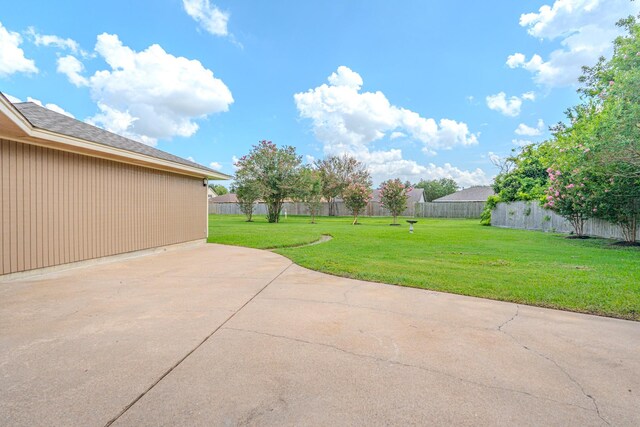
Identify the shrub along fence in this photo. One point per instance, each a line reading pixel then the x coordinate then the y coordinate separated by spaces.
pixel 532 216
pixel 423 210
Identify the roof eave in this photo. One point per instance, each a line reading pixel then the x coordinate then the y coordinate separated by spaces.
pixel 24 131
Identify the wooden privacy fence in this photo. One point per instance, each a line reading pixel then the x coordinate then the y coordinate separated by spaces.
pixel 295 208
pixel 532 216
pixel 449 210
pixel 423 210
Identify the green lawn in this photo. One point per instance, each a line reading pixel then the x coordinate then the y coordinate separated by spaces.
pixel 457 256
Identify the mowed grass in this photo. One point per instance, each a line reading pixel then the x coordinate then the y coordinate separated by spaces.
pixel 457 256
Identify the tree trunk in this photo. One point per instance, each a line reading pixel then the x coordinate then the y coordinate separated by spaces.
pixel 273 211
pixel 630 230
pixel 333 207
pixel 578 225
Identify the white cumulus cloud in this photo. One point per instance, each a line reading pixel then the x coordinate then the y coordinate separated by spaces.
pixel 347 120
pixel 343 116
pixel 391 164
pixel 525 130
pixel 53 40
pixel 12 59
pixel 150 94
pixel 585 30
pixel 52 107
pixel 120 122
pixel 509 106
pixel 215 165
pixel 72 67
pixel 396 135
pixel 209 16
pixel 529 96
pixel 12 99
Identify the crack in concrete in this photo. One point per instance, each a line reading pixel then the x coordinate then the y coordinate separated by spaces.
pixel 505 323
pixel 409 365
pixel 155 383
pixel 544 356
pixel 345 294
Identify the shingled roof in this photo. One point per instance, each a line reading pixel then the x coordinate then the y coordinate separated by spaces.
pixel 471 194
pixel 225 198
pixel 46 119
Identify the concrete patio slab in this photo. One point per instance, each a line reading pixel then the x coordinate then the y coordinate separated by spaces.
pixel 217 335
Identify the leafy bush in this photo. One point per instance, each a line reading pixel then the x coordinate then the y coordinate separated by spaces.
pixel 485 217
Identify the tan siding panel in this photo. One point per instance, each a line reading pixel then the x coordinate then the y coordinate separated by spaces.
pixel 6 208
pixel 60 207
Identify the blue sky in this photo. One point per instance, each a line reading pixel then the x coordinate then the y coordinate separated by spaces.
pixel 415 89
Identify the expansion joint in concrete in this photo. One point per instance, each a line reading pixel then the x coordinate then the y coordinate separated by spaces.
pixel 164 375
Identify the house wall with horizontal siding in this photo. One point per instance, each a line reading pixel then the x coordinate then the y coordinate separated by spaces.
pixel 59 207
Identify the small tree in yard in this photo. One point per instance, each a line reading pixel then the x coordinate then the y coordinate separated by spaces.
pixel 274 171
pixel 337 172
pixel 393 196
pixel 310 191
pixel 247 193
pixel 356 196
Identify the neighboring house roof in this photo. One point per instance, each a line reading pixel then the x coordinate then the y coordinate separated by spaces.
pixel 37 124
pixel 471 194
pixel 225 198
pixel 210 193
pixel 416 195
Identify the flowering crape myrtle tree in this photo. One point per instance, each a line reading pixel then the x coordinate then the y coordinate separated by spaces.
pixel 356 196
pixel 274 171
pixel 336 173
pixel 393 196
pixel 614 87
pixel 570 198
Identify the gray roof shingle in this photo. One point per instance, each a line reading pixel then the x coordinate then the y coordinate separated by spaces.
pixel 471 194
pixel 225 198
pixel 46 119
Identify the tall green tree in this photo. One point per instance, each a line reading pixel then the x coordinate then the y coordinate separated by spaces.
pixel 336 173
pixel 436 188
pixel 523 177
pixel 275 172
pixel 310 191
pixel 527 177
pixel 612 91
